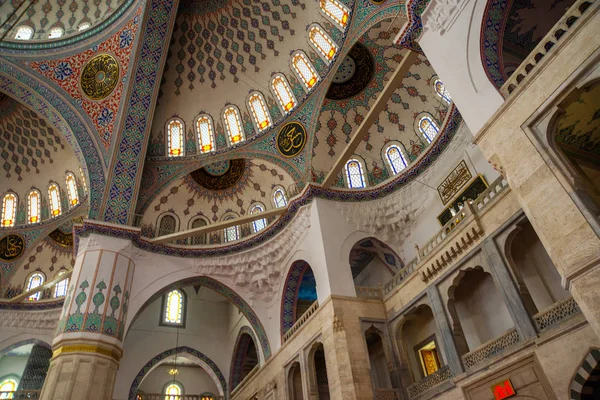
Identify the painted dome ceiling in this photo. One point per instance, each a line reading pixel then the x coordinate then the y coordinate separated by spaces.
pixel 32 154
pixel 72 17
pixel 222 50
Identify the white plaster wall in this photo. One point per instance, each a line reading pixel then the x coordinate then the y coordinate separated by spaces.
pixel 456 57
pixel 13 365
pixel 374 274
pixel 193 379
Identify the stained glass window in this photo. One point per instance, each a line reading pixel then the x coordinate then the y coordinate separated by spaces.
pixel 322 42
pixel 175 138
pixel 233 124
pixel 198 239
pixel 428 128
pixel 279 198
pixel 259 111
pixel 8 385
pixel 305 70
pixel 284 93
pixel 231 233
pixel 60 289
pixel 35 280
pixel 395 158
pixel 72 190
pixel 336 11
pixel 33 206
pixel 83 181
pixel 173 312
pixel 54 196
pixel 205 134
pixel 354 173
pixel 168 225
pixel 259 224
pixel 24 32
pixel 55 33
pixel 9 209
pixel 441 91
pixel 173 391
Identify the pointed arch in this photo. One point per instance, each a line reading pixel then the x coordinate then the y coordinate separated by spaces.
pixel 258 108
pixel 283 92
pixel 244 358
pixel 304 69
pixel 9 209
pixel 299 273
pixel 206 137
pixel 233 125
pixel 175 137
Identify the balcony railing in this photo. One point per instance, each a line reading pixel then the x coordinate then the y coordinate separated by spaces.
pixel 303 318
pixel 563 26
pixel 556 313
pixel 387 394
pixel 21 394
pixel 437 378
pixel 475 209
pixel 491 349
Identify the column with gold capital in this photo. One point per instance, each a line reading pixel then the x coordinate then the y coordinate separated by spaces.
pixel 90 332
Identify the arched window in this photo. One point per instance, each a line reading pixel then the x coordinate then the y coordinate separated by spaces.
pixel 205 134
pixel 284 93
pixel 168 225
pixel 279 198
pixel 83 26
pixel 34 199
pixel 54 197
pixel 322 42
pixel 258 224
pixel 175 138
pixel 231 233
pixel 56 32
pixel 336 11
pixel 441 91
pixel 234 127
pixel 9 209
pixel 60 289
pixel 8 385
pixel 173 309
pixel 428 128
pixel 354 174
pixel 259 111
pixel 24 32
pixel 83 181
pixel 201 238
pixel 72 189
pixel 173 391
pixel 395 158
pixel 34 281
pixel 305 70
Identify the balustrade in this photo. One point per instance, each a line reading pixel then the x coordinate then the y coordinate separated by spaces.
pixel 437 378
pixel 387 394
pixel 303 318
pixel 556 313
pixel 490 349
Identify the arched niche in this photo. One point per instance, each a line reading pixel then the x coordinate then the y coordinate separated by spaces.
pixel 294 381
pixel 373 262
pixel 299 293
pixel 378 358
pixel 245 357
pixel 318 379
pixel 477 309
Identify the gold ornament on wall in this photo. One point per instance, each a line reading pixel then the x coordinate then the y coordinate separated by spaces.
pixel 100 76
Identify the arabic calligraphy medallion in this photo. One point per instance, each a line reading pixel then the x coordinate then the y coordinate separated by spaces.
pixel 11 247
pixel 100 76
pixel 291 139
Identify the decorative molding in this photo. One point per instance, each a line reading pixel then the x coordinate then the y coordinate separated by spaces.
pixel 27 320
pixel 441 14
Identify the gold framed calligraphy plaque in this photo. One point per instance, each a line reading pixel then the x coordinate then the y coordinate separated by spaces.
pixel 458 178
pixel 291 139
pixel 11 247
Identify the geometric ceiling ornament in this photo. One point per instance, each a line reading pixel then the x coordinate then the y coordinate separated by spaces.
pixel 291 139
pixel 353 75
pixel 220 175
pixel 100 76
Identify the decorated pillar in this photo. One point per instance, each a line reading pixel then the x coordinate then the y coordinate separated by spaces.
pixel 90 332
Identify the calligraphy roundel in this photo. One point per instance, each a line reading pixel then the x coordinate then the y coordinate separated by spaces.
pixel 291 139
pixel 11 247
pixel 100 76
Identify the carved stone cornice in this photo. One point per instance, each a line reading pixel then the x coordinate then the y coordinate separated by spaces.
pixel 441 14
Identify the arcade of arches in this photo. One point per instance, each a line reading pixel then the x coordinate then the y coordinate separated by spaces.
pixel 300 199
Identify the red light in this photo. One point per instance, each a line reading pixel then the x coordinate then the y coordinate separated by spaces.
pixel 503 390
